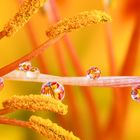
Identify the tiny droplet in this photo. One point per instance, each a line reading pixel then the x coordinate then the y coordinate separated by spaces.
pixel 25 66
pixel 134 93
pixel 93 73
pixel 33 73
pixel 27 70
pixel 1 83
pixel 53 89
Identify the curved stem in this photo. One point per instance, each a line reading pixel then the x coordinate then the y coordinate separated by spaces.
pixel 115 112
pixel 79 70
pixel 8 68
pixel 41 58
pixel 14 122
pixel 5 111
pixel 2 34
pixel 128 68
pixel 74 111
pixel 71 98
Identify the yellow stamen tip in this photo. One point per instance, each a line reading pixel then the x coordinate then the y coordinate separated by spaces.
pixel 83 19
pixel 27 9
pixel 35 103
pixel 51 130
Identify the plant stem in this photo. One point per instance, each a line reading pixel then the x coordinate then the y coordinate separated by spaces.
pixel 5 111
pixel 128 68
pixel 2 34
pixel 14 122
pixel 41 58
pixel 104 81
pixel 115 111
pixel 70 96
pixel 8 68
pixel 73 107
pixel 79 70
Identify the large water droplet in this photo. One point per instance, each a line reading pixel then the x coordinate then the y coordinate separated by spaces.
pixel 53 89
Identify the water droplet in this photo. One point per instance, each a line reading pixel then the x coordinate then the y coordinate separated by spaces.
pixel 27 70
pixel 34 69
pixel 134 93
pixel 25 66
pixel 93 73
pixel 53 89
pixel 1 83
pixel 33 72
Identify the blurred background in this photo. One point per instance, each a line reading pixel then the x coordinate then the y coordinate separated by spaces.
pixel 94 113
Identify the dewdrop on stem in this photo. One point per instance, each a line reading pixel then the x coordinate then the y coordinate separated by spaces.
pixel 33 73
pixel 134 93
pixel 25 66
pixel 53 89
pixel 93 73
pixel 1 83
pixel 27 70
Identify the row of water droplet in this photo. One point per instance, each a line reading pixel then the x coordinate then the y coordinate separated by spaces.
pixel 55 89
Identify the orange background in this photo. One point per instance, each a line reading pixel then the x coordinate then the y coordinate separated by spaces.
pixel 90 45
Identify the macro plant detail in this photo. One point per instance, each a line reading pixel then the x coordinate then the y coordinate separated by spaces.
pixel 26 10
pixel 37 103
pixel 134 93
pixel 26 66
pixel 56 90
pixel 34 103
pixel 93 73
pixel 27 70
pixel 52 91
pixel 1 83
